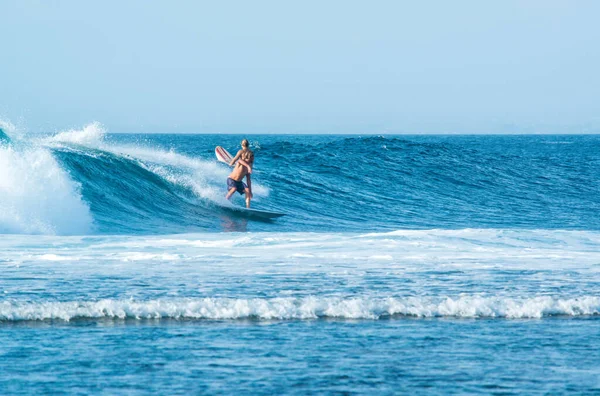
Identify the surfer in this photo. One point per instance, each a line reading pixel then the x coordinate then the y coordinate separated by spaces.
pixel 245 161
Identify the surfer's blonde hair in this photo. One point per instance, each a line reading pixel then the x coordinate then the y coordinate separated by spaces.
pixel 245 143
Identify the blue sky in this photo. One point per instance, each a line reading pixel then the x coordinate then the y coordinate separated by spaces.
pixel 302 67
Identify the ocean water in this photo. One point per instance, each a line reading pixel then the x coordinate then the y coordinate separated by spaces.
pixel 404 264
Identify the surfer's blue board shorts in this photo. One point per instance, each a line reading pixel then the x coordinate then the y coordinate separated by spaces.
pixel 240 186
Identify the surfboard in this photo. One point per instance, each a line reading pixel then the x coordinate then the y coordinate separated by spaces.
pixel 223 155
pixel 255 213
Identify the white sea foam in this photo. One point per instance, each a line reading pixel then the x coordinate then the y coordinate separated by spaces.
pixel 290 308
pixel 37 196
pixel 53 257
pixel 416 250
pixel 140 256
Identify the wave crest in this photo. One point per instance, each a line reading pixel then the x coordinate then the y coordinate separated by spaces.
pixel 91 134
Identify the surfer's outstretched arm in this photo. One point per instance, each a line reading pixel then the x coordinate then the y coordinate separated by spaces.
pixel 246 164
pixel 237 157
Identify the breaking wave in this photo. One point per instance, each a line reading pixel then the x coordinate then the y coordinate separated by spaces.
pixel 172 184
pixel 303 308
pixel 37 196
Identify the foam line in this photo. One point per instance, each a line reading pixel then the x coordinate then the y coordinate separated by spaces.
pixel 303 308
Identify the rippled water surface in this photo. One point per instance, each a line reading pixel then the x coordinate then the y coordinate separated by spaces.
pixel 425 265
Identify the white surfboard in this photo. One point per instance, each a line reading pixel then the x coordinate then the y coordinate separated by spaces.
pixel 223 155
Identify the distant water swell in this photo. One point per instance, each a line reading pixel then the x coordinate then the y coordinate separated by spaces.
pixel 85 182
pixel 302 308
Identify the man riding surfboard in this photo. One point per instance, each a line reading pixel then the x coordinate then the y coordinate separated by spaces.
pixel 243 167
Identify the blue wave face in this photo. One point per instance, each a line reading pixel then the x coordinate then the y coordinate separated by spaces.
pixel 126 197
pixel 172 183
pixel 353 183
pixel 4 139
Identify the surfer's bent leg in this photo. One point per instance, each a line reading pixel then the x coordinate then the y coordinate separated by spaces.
pixel 235 185
pixel 230 193
pixel 231 187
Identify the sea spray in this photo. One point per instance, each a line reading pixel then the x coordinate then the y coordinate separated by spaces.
pixel 90 135
pixel 37 196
